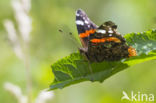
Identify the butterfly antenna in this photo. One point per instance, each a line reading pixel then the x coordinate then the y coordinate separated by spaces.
pixel 74 39
pixel 70 37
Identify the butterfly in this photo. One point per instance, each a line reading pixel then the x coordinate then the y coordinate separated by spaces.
pixel 101 43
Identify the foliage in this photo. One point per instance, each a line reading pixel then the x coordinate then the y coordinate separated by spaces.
pixel 74 68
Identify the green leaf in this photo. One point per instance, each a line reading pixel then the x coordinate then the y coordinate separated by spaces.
pixel 74 68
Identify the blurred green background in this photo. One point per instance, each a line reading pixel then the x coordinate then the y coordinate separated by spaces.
pixel 47 45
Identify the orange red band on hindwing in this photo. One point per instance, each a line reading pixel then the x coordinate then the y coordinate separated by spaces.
pixel 87 33
pixel 106 39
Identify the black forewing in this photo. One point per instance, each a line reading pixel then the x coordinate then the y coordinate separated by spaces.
pixel 83 24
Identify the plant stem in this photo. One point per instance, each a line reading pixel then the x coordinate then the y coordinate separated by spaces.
pixel 28 72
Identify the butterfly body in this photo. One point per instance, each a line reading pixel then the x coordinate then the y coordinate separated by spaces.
pixel 101 43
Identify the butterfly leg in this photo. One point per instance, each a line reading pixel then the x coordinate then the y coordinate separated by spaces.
pixel 84 51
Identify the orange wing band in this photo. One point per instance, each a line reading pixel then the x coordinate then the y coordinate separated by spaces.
pixel 87 33
pixel 108 39
pixel 132 51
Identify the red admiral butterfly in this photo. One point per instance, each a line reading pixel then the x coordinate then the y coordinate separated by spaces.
pixel 101 43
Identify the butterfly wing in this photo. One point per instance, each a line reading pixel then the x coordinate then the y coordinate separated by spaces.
pixel 85 27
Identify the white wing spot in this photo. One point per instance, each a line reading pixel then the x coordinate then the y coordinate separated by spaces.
pixel 79 22
pixel 101 31
pixel 110 31
pixel 77 14
pixel 86 22
pixel 110 34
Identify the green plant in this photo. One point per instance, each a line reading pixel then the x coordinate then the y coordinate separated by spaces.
pixel 74 68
